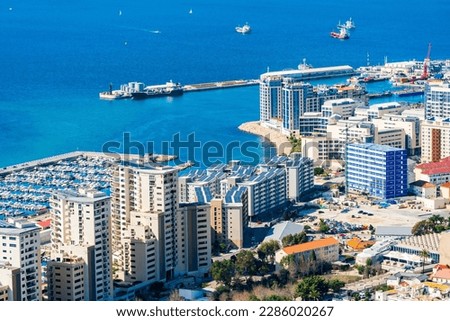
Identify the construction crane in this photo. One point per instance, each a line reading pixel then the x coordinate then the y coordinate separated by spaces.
pixel 426 62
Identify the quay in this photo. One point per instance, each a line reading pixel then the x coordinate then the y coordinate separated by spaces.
pixel 220 85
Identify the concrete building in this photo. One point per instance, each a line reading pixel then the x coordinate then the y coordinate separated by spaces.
pixel 20 260
pixel 437 101
pixel 378 170
pixel 144 207
pixel 410 126
pixel 344 107
pixel 229 217
pixel 423 189
pixel 435 139
pixel 10 283
pixel 81 247
pixel 394 137
pixel 445 190
pixel 194 240
pixel 283 229
pixel 378 110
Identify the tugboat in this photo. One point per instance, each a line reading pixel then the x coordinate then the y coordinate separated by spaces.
pixel 244 29
pixel 343 34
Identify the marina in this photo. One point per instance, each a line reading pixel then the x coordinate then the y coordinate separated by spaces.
pixel 25 188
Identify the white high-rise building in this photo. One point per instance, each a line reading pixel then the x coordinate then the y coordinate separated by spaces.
pixel 20 253
pixel 437 101
pixel 80 266
pixel 150 239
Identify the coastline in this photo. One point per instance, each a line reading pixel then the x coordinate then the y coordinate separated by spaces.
pixel 280 141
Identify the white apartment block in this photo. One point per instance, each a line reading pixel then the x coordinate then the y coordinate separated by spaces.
pixel 81 223
pixel 344 107
pixel 148 191
pixel 437 101
pixel 20 249
pixel 378 110
pixel 435 139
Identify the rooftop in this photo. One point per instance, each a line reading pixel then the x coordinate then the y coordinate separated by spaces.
pixel 304 73
pixel 441 167
pixel 393 231
pixel 421 183
pixel 308 246
pixel 280 230
pixel 375 147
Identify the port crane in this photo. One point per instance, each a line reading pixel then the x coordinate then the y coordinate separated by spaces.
pixel 426 63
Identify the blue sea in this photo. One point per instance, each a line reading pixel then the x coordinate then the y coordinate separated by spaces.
pixel 56 56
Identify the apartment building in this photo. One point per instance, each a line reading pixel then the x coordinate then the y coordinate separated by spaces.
pixel 435 172
pixel 81 259
pixel 378 170
pixel 435 139
pixel 344 107
pixel 437 101
pixel 325 250
pixel 20 261
pixel 378 110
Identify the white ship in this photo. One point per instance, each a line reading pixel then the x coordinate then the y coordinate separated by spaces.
pixel 244 29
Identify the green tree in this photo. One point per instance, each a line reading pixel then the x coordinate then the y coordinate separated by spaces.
pixel 246 263
pixel 223 271
pixel 293 239
pixel 318 171
pixel 312 288
pixel 266 251
pixel 323 227
pixel 336 285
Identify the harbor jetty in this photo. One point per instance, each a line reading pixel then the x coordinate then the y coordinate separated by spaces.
pixel 280 141
pixel 220 85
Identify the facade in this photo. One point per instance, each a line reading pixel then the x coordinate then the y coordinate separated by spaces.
pixel 379 110
pixel 437 101
pixel 193 239
pixel 394 137
pixel 10 283
pixel 435 139
pixel 229 217
pixel 144 205
pixel 410 126
pixel 380 171
pixel 81 246
pixel 344 107
pixel 20 261
pixel 444 248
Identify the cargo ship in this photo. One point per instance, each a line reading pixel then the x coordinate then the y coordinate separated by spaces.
pixel 138 90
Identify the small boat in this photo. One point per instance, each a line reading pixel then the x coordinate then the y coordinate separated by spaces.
pixel 244 29
pixel 342 34
pixel 190 11
pixel 304 65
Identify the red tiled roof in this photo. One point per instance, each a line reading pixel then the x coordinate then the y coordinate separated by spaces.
pixel 442 274
pixel 45 223
pixel 317 244
pixel 441 167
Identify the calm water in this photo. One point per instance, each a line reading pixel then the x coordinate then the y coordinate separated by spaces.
pixel 57 55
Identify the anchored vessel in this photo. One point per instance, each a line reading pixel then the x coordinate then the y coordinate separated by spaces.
pixel 244 29
pixel 114 94
pixel 342 34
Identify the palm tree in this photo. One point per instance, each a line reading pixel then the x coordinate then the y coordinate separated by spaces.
pixel 424 254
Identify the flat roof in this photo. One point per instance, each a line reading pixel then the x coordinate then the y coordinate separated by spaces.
pixel 376 147
pixel 305 72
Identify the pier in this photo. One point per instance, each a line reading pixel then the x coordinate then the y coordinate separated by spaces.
pixel 220 85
